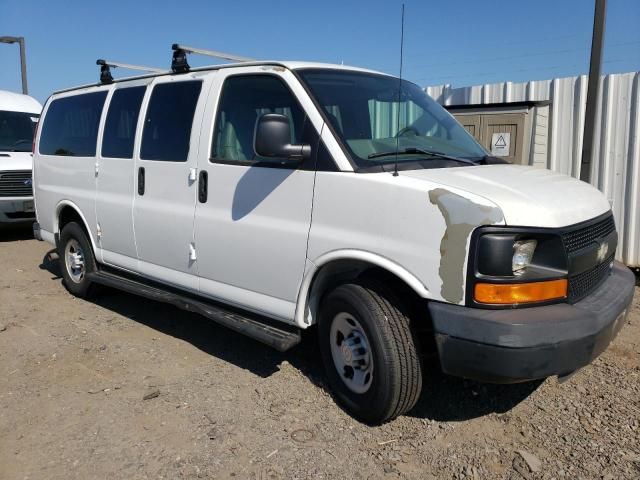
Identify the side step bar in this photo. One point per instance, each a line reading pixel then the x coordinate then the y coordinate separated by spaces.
pixel 281 337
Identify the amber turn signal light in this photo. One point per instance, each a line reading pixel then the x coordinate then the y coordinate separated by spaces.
pixel 514 293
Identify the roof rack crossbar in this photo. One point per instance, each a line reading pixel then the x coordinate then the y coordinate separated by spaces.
pixel 106 65
pixel 179 62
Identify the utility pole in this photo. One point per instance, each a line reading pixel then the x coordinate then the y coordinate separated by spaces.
pixel 593 89
pixel 23 59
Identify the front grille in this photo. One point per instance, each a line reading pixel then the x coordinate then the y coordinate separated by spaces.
pixel 583 283
pixel 585 236
pixel 16 184
pixel 579 243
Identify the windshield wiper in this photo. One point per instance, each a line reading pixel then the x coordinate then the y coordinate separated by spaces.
pixel 491 160
pixel 14 146
pixel 431 153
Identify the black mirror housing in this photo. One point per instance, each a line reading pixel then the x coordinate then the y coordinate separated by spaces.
pixel 272 138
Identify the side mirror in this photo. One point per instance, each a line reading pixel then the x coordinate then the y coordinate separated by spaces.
pixel 272 136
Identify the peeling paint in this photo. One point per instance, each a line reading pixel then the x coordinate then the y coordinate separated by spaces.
pixel 461 216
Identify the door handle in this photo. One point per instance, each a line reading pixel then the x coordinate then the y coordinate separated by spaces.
pixel 203 187
pixel 141 181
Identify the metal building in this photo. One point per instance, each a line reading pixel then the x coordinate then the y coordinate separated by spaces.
pixel 541 123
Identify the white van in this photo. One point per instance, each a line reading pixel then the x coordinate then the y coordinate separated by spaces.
pixel 275 196
pixel 19 115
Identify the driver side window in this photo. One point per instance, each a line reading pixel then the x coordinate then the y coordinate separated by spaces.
pixel 244 99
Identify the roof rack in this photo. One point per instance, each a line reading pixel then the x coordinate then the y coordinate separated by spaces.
pixel 179 62
pixel 105 69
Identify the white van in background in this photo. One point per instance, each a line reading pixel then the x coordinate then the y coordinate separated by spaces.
pixel 19 116
pixel 273 197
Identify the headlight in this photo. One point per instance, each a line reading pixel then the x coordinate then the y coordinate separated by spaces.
pixel 512 266
pixel 522 255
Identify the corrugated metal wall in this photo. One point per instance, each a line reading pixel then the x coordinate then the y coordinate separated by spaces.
pixel 616 171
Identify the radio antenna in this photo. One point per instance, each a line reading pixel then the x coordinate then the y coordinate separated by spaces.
pixel 395 167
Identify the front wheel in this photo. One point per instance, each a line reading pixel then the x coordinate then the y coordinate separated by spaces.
pixel 370 353
pixel 76 259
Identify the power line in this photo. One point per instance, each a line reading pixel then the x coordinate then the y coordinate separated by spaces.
pixel 520 70
pixel 523 55
pixel 502 44
pixel 520 42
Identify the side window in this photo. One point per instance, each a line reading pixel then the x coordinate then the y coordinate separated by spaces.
pixel 122 119
pixel 244 99
pixel 70 127
pixel 167 126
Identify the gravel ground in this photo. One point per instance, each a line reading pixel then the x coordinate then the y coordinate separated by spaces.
pixel 122 387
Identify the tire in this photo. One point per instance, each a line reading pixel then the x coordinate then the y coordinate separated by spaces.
pixel 392 361
pixel 76 260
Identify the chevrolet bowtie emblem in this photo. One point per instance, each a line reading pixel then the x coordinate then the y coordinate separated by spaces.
pixel 603 250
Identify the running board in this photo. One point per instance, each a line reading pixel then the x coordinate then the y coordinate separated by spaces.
pixel 281 337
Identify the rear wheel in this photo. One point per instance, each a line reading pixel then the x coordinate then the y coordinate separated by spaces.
pixel 76 259
pixel 370 352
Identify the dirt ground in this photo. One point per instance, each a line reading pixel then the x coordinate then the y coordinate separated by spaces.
pixel 76 377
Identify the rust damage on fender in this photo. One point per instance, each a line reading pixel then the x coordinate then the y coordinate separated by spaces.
pixel 461 216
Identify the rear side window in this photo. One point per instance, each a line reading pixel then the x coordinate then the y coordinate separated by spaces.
pixel 167 126
pixel 122 119
pixel 70 126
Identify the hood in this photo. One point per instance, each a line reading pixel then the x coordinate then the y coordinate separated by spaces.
pixel 15 161
pixel 527 196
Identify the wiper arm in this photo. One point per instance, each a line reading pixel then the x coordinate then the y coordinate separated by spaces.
pixel 491 160
pixel 14 146
pixel 399 152
pixel 431 153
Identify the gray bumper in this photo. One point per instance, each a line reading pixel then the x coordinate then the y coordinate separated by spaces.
pixel 508 346
pixel 36 231
pixel 17 210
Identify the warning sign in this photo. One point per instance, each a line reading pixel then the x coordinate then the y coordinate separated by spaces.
pixel 500 143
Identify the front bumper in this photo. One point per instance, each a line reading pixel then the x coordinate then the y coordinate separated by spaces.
pixel 37 232
pixel 17 210
pixel 509 346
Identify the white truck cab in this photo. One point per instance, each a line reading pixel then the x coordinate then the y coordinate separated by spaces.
pixel 19 115
pixel 273 197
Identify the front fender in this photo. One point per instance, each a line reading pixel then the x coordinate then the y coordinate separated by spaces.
pixel 303 315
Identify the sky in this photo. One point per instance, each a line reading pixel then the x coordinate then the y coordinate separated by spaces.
pixel 463 42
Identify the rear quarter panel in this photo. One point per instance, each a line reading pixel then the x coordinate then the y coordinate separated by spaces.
pixel 64 180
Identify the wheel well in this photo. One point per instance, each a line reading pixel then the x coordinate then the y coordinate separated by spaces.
pixel 67 215
pixel 349 270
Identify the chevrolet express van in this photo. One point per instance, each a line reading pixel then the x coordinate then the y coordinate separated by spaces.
pixel 273 197
pixel 18 118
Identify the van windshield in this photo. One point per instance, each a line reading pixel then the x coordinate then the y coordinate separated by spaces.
pixel 16 131
pixel 372 116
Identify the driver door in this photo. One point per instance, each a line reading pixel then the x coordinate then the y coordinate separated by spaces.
pixel 251 231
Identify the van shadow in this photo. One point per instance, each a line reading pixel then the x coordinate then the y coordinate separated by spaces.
pixel 13 233
pixel 450 399
pixel 444 398
pixel 254 186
